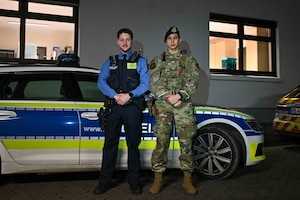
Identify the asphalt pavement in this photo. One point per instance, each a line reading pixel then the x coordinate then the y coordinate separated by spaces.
pixel 277 177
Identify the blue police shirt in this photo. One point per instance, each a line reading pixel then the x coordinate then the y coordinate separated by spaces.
pixel 141 69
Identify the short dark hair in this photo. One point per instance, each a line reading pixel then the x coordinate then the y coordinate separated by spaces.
pixel 125 30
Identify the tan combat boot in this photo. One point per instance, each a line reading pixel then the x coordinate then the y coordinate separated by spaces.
pixel 187 183
pixel 157 183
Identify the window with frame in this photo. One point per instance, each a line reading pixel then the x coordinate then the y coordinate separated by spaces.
pixel 242 46
pixel 38 30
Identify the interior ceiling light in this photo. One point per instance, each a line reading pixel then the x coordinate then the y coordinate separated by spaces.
pixel 30 24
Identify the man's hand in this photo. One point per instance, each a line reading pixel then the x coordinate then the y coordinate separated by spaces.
pixel 122 99
pixel 178 104
pixel 174 99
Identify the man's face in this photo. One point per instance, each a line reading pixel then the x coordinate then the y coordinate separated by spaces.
pixel 124 42
pixel 173 41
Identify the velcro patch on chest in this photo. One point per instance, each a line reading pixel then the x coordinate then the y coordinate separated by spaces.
pixel 131 65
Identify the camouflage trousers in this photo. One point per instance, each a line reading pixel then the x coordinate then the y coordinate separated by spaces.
pixel 186 128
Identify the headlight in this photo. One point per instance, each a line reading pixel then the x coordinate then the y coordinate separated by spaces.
pixel 254 124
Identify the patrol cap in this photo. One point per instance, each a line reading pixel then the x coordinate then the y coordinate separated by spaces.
pixel 172 30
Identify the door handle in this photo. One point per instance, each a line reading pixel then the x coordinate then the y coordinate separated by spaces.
pixel 89 115
pixel 7 115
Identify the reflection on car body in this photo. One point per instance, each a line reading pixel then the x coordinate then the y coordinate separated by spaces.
pixel 49 123
pixel 287 114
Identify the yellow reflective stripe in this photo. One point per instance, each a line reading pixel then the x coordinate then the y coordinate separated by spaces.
pixel 74 144
pixel 285 100
pixel 175 144
pixel 289 127
pixel 280 125
pixel 92 144
pixel 41 144
pixel 98 144
pixel 290 118
pixel 90 105
pixel 145 144
pixel 151 144
pixel 285 126
pixel 38 104
pixel 253 148
pixel 45 104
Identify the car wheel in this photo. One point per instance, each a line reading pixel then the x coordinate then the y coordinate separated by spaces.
pixel 216 152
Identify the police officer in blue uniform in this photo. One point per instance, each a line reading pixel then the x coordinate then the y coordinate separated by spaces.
pixel 123 81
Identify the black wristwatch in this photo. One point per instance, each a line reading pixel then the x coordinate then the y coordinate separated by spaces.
pixel 130 94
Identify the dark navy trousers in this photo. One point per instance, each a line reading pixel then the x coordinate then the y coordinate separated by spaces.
pixel 131 117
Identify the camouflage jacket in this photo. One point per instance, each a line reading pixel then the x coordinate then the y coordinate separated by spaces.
pixel 174 73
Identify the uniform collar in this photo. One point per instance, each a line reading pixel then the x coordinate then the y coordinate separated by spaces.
pixel 173 55
pixel 128 55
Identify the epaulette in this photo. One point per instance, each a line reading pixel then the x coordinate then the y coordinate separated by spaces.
pixel 136 55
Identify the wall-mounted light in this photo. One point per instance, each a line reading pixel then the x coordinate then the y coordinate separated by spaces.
pixel 30 24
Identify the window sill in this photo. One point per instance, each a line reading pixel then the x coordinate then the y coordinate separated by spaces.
pixel 228 77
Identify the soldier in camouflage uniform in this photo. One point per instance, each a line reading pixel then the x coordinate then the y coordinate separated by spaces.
pixel 173 79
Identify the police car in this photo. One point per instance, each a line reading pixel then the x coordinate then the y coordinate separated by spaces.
pixel 287 114
pixel 49 123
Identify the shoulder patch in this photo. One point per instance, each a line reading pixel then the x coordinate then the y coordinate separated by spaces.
pixel 152 65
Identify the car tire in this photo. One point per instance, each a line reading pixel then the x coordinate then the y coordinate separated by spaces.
pixel 216 152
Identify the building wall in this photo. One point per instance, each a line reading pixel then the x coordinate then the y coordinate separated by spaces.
pixel 150 19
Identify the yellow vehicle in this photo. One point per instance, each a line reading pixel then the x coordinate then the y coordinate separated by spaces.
pixel 287 114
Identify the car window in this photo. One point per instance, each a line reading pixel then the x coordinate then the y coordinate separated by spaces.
pixel 35 86
pixel 44 89
pixel 88 85
pixel 51 85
